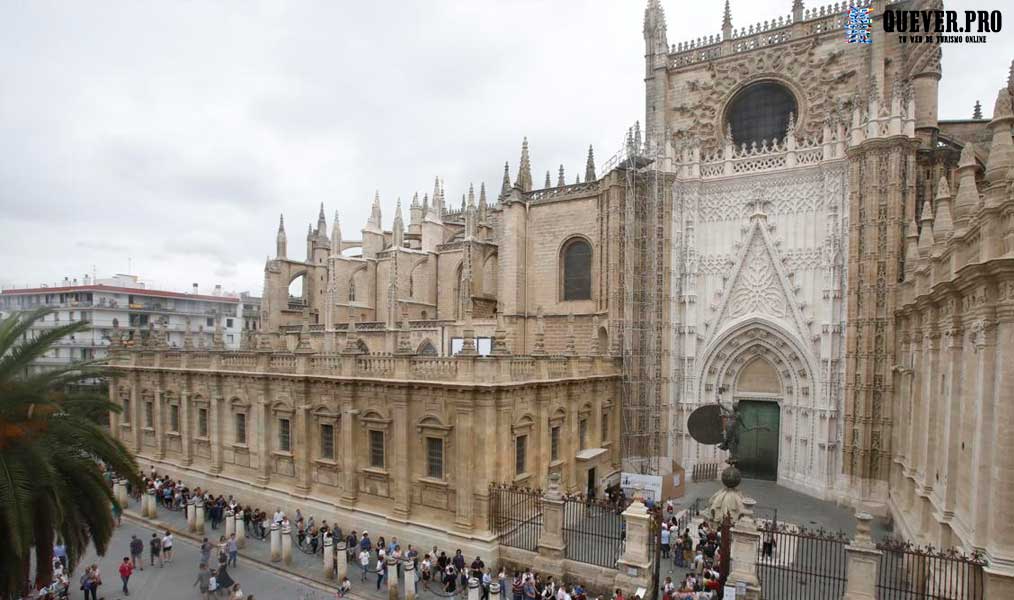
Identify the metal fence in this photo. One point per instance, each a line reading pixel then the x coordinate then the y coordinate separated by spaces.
pixel 705 471
pixel 801 564
pixel 910 572
pixel 593 531
pixel 515 515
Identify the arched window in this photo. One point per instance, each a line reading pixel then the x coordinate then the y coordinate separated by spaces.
pixel 352 289
pixel 576 262
pixel 760 111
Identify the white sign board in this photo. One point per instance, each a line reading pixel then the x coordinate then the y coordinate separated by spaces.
pixel 483 345
pixel 729 593
pixel 651 485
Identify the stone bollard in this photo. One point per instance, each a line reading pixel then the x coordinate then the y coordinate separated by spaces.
pixel 230 524
pixel 287 545
pixel 409 580
pixel 494 591
pixel 199 516
pixel 863 566
pixel 392 578
pixel 124 494
pixel 746 541
pixel 474 589
pixel 276 543
pixel 329 557
pixel 118 492
pixel 191 515
pixel 342 559
pixel 240 530
pixel 152 507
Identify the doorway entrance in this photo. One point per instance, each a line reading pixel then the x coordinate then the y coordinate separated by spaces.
pixel 758 440
pixel 591 483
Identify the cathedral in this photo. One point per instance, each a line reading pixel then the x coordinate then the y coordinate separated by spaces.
pixel 793 230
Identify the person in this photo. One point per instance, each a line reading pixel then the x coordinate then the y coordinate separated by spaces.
pixel 769 544
pixel 345 587
pixel 205 552
pixel 381 566
pixel 126 570
pixel 279 515
pixel 529 589
pixel 424 570
pixel 155 547
pixel 477 566
pixel 487 579
pixel 60 553
pixel 364 561
pixel 224 581
pixel 665 540
pixel 517 587
pixel 450 580
pixel 167 547
pixel 213 584
pixel 136 550
pixel 237 593
pixel 233 549
pixel 203 580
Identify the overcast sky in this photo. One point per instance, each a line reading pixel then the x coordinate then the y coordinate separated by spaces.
pixel 174 133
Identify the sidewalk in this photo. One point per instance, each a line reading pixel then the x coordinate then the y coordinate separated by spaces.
pixel 305 567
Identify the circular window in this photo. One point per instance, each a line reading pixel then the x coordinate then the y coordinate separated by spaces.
pixel 760 111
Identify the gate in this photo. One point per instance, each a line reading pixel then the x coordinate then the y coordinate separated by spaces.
pixel 515 515
pixel 593 531
pixel 801 564
pixel 910 572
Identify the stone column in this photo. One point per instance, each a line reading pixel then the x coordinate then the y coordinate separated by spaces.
pixel 158 404
pixel 185 427
pixel 494 591
pixel 286 533
pixel 392 578
pixel 463 474
pixel 409 580
pixel 350 478
pixel 329 558
pixel 240 530
pixel 341 560
pixel 634 565
pixel 302 449
pixel 264 441
pixel 191 515
pixel 215 434
pixel 551 545
pixel 152 507
pixel 863 562
pixel 276 543
pixel 399 446
pixel 199 516
pixel 135 413
pixel 230 523
pixel 474 589
pixel 745 544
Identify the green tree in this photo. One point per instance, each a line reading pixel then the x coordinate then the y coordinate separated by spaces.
pixel 51 484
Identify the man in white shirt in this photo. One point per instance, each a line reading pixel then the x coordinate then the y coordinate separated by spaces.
pixel 167 547
pixel 364 561
pixel 279 515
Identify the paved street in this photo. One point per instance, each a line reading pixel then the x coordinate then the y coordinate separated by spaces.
pixel 175 581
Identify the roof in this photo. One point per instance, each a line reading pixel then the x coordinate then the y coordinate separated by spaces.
pixel 120 290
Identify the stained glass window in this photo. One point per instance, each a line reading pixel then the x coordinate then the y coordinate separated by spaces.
pixel 760 111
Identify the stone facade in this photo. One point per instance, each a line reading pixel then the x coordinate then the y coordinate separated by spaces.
pixel 373 441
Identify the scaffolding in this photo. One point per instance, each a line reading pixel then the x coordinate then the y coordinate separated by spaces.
pixel 640 301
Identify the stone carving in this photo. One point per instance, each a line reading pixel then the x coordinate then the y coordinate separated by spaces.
pixel 802 192
pixel 757 289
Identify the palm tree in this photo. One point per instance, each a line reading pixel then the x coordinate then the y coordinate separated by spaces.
pixel 51 484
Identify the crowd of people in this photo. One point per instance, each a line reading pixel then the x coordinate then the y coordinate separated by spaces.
pixel 701 559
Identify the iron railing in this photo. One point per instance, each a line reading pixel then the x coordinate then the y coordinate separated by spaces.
pixel 705 471
pixel 515 515
pixel 593 531
pixel 910 572
pixel 800 563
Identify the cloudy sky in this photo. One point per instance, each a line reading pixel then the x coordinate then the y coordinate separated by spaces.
pixel 172 134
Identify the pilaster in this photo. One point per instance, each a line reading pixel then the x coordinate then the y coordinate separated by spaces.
pixel 401 476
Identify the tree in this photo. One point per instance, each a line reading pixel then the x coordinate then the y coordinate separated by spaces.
pixel 51 482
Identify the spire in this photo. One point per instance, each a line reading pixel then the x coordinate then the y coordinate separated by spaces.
pixel 482 202
pixel 415 199
pixel 727 22
pixel 524 181
pixel 911 248
pixel 577 179
pixel 374 223
pixel 1000 149
pixel 426 205
pixel 438 203
pixel 560 181
pixel 549 180
pixel 540 333
pixel 968 194
pixel 336 236
pixel 589 166
pixel 505 187
pixel 470 213
pixel 926 233
pixel 943 226
pixel 654 29
pixel 398 236
pixel 280 241
pixel 321 223
pixel 463 205
pixel 977 111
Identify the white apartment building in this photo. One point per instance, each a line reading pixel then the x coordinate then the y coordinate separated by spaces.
pixel 124 303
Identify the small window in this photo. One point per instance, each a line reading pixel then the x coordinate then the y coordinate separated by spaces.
pixel 605 428
pixel 352 289
pixel 520 454
pixel 327 440
pixel 210 322
pixel 435 458
pixel 228 323
pixel 554 443
pixel 174 418
pixel 202 422
pixel 577 262
pixel 126 409
pixel 149 414
pixel 241 428
pixel 582 433
pixel 377 449
pixel 284 442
